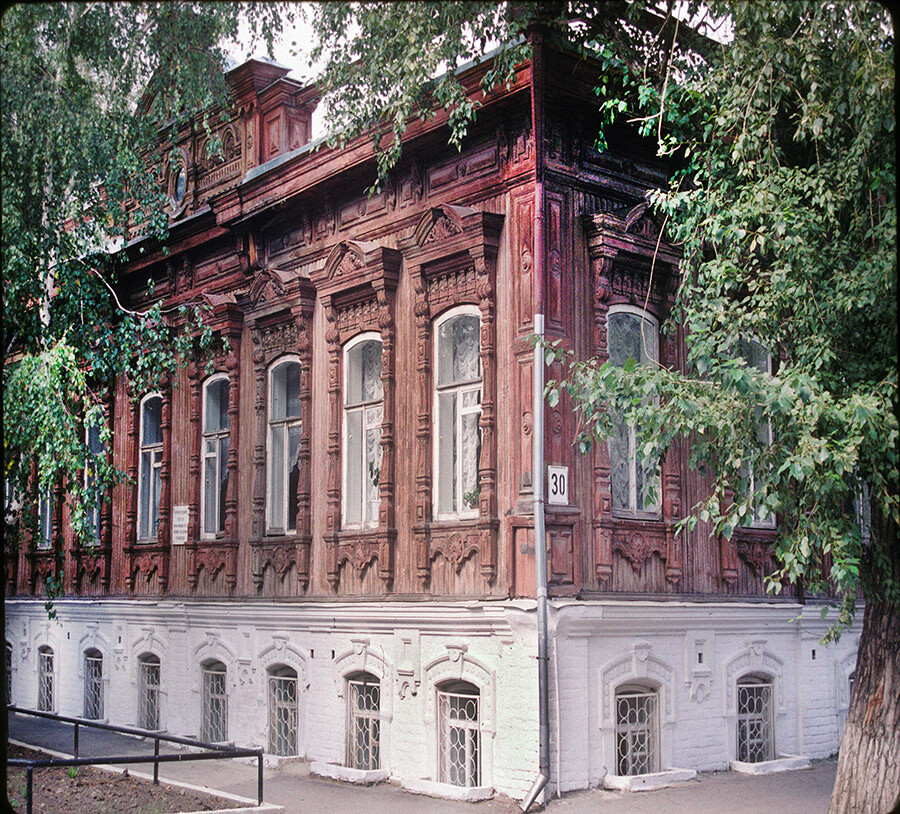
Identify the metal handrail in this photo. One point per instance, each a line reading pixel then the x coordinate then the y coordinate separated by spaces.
pixel 215 751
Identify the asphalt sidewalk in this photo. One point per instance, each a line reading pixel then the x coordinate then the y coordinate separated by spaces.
pixel 291 785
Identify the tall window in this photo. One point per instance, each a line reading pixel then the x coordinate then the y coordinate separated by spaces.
pixel 151 465
pixel 148 692
pixel 363 722
pixel 756 356
pixel 214 718
pixel 93 684
pixel 457 412
pixel 45 519
pixel 283 712
pixel 755 735
pixel 285 429
pixel 46 696
pixel 459 734
pixel 363 412
pixel 215 454
pixel 631 334
pixel 637 731
pixel 95 448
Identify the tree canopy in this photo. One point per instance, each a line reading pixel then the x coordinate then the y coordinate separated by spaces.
pixel 87 90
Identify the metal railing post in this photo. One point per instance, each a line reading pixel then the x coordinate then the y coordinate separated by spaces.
pixel 29 775
pixel 156 762
pixel 75 751
pixel 259 777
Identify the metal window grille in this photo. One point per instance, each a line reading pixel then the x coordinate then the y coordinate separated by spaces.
pixel 364 729
pixel 8 673
pixel 283 713
pixel 214 724
pixel 637 750
pixel 93 685
pixel 45 680
pixel 755 741
pixel 148 693
pixel 459 737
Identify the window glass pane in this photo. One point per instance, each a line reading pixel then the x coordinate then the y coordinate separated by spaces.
pixel 471 450
pixel 364 374
pixel 146 476
pixel 276 476
pixel 620 468
pixel 223 480
pixel 151 421
pixel 458 348
pixel 209 487
pixel 372 472
pixel 293 475
pixel 631 337
pixel 155 490
pixel 286 391
pixel 216 419
pixel 447 450
pixel 354 467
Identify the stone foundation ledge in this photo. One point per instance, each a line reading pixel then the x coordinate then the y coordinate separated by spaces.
pixel 783 763
pixel 333 771
pixel 432 788
pixel 648 782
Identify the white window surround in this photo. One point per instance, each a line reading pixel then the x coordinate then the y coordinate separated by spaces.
pixel 457 665
pixel 460 389
pixel 149 475
pixel 281 653
pixel 213 459
pixel 369 413
pixel 278 520
pixel 650 348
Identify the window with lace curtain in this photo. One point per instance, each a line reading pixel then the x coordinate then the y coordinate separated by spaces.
pixel 215 455
pixel 285 429
pixel 457 413
pixel 363 413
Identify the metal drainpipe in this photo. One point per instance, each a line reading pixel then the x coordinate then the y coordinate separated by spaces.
pixel 537 476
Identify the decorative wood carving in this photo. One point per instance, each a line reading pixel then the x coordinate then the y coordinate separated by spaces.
pixel 215 554
pixel 357 287
pixel 452 255
pixel 279 309
pixel 632 264
pixel 146 556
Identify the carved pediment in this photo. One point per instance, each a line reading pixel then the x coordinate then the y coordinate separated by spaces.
pixel 269 285
pixel 441 222
pixel 346 258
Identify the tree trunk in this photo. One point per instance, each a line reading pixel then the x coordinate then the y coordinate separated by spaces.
pixel 868 773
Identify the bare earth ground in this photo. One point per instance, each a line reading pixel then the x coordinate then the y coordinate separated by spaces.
pixel 92 791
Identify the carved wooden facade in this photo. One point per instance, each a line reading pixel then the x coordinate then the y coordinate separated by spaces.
pixel 297 260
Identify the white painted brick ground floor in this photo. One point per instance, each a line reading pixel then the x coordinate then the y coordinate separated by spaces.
pixel 447 691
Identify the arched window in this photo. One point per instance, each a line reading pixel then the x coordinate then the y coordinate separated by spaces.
pixel 756 356
pixel 637 730
pixel 93 684
pixel 755 729
pixel 151 451
pixel 96 450
pixel 631 334
pixel 214 714
pixel 148 691
pixel 457 412
pixel 285 430
pixel 215 454
pixel 363 722
pixel 46 695
pixel 283 711
pixel 363 412
pixel 459 734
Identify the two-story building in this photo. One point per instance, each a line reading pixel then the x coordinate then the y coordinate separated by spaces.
pixel 325 543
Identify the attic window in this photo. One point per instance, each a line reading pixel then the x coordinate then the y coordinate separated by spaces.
pixel 178 180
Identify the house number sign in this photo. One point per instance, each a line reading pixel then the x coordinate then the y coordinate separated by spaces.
pixel 558 485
